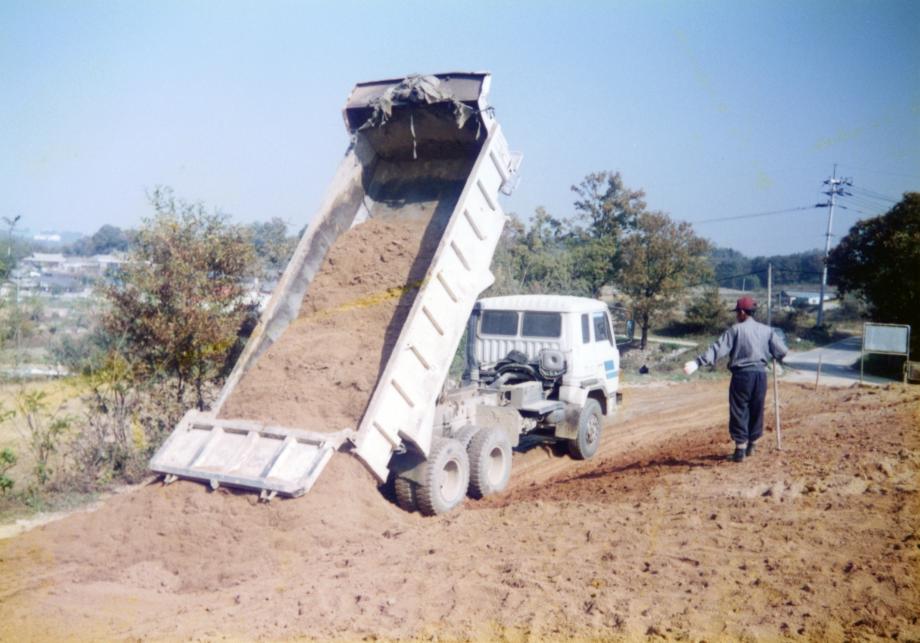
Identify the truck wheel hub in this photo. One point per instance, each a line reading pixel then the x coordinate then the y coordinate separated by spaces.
pixel 593 429
pixel 451 481
pixel 496 466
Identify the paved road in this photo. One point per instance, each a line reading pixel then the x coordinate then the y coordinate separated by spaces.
pixel 839 364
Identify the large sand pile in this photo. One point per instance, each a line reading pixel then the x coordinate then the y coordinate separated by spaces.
pixel 320 374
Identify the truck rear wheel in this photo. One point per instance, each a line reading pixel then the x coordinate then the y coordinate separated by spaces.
pixel 585 444
pixel 445 476
pixel 406 496
pixel 490 462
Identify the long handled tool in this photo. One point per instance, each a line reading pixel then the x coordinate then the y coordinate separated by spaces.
pixel 779 436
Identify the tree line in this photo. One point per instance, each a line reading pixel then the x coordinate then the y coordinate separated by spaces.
pixel 732 269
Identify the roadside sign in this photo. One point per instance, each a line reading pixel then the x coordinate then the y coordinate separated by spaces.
pixel 886 339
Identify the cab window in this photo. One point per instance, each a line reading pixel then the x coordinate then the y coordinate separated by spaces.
pixel 585 329
pixel 499 322
pixel 542 325
pixel 601 328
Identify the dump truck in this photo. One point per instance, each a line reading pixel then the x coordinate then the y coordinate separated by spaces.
pixel 542 365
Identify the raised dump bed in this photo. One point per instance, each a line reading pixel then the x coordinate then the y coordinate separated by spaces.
pixel 428 155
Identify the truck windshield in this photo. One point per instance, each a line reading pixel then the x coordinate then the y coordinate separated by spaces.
pixel 542 325
pixel 499 322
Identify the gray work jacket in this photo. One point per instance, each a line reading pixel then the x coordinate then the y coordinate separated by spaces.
pixel 749 344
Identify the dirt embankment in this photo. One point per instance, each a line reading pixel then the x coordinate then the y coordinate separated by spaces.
pixel 658 535
pixel 321 372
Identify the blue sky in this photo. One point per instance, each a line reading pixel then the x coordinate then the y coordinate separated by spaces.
pixel 714 108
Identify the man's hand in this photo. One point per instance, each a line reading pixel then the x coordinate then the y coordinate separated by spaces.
pixel 690 367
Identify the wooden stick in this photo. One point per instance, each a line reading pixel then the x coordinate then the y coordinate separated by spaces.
pixel 779 438
pixel 818 374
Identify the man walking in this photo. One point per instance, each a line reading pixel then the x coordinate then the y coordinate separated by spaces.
pixel 749 346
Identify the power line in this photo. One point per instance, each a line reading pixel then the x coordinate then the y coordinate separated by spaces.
pixel 872 194
pixel 852 209
pixel 866 202
pixel 849 196
pixel 868 209
pixel 755 214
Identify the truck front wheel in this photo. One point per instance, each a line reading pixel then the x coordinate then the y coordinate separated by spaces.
pixel 490 462
pixel 585 444
pixel 445 477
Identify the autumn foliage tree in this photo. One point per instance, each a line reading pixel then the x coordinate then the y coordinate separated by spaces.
pixel 180 302
pixel 605 210
pixel 605 206
pixel 660 259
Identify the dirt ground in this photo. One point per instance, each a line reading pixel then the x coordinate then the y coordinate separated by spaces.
pixel 657 536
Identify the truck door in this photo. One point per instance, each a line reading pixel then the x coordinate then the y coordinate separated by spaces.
pixel 605 352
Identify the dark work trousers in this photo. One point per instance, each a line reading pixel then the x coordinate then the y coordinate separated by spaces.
pixel 746 394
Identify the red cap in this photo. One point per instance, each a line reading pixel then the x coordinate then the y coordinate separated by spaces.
pixel 746 303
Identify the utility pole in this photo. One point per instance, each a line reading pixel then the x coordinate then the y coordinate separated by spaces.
pixel 11 224
pixel 769 294
pixel 835 189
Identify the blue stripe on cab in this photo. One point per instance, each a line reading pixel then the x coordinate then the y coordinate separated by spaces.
pixel 611 369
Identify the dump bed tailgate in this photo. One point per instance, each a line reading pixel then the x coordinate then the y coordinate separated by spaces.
pixel 239 453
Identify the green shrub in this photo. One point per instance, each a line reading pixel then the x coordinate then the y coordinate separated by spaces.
pixel 44 431
pixel 7 462
pixel 707 313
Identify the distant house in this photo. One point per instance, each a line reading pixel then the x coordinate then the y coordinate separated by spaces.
pixel 805 297
pixel 97 265
pixel 106 262
pixel 45 261
pixel 61 283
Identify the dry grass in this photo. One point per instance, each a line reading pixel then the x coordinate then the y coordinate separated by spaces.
pixel 61 395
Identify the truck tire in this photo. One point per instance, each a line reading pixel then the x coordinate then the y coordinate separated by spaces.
pixel 445 477
pixel 588 440
pixel 490 462
pixel 406 494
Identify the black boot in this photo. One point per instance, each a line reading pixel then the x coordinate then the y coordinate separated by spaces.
pixel 750 450
pixel 738 456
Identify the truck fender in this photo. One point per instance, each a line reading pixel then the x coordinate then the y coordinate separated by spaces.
pixel 568 428
pixel 505 418
pixel 573 395
pixel 407 465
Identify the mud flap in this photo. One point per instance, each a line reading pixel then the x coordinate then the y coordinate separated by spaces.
pixel 246 454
